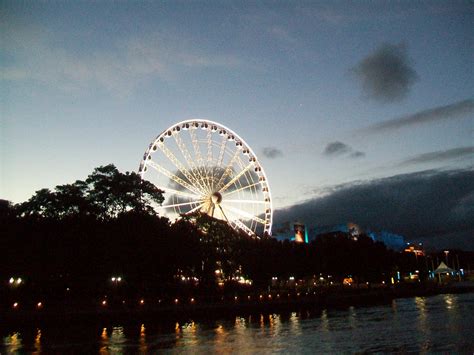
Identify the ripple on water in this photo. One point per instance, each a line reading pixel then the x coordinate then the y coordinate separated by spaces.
pixel 442 323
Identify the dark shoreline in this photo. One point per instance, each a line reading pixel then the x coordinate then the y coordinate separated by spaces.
pixel 332 299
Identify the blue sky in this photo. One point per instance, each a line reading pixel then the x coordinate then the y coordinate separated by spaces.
pixel 84 84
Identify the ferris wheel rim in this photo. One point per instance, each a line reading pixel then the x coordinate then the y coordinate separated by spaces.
pixel 254 159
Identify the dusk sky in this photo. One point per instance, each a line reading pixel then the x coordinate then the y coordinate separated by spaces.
pixel 332 96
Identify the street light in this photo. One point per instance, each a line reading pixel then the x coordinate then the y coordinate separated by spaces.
pixel 15 282
pixel 116 279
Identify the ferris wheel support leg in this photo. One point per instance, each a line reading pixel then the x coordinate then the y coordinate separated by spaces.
pixel 245 214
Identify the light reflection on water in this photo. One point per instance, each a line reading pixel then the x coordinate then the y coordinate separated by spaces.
pixel 37 345
pixel 142 348
pixel 434 324
pixel 13 342
pixel 113 343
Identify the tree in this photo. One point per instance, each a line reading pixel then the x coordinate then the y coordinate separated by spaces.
pixel 7 209
pixel 112 192
pixel 105 194
pixel 41 204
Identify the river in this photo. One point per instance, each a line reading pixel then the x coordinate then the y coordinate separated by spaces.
pixel 442 323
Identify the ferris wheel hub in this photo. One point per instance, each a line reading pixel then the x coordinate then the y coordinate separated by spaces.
pixel 216 198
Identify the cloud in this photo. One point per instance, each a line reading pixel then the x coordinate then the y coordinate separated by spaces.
pixel 118 67
pixel 357 154
pixel 272 152
pixel 439 156
pixel 439 113
pixel 337 148
pixel 386 74
pixel 434 206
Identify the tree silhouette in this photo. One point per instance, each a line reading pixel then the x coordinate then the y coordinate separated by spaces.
pixel 104 194
pixel 79 235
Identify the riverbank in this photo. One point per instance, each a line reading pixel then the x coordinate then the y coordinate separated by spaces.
pixel 272 302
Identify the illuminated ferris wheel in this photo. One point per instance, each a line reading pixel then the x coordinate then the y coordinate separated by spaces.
pixel 204 166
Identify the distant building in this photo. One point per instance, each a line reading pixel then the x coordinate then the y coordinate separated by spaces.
pixel 299 232
pixel 296 232
pixel 416 249
pixel 350 228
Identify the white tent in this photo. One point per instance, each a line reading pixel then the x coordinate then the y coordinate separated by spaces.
pixel 443 269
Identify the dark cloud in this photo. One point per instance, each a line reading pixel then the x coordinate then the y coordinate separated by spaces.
pixel 440 156
pixel 455 110
pixel 357 154
pixel 337 148
pixel 434 206
pixel 386 74
pixel 272 152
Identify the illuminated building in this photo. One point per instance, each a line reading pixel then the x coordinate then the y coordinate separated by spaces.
pixel 301 234
pixel 415 249
pixel 354 230
pixel 295 231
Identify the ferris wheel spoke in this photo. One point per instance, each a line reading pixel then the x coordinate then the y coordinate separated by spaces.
pixel 246 201
pixel 176 192
pixel 227 170
pixel 181 204
pixel 242 226
pixel 235 178
pixel 241 189
pixel 196 208
pixel 209 167
pixel 189 160
pixel 208 177
pixel 219 160
pixel 184 151
pixel 221 151
pixel 173 177
pixel 195 142
pixel 169 154
pixel 245 214
pixel 209 147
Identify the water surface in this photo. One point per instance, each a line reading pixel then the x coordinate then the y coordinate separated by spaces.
pixel 442 323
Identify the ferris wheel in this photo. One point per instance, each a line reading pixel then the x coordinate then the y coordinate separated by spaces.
pixel 203 166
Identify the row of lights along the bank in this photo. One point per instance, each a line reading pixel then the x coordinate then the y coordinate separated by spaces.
pixel 192 300
pixel 116 280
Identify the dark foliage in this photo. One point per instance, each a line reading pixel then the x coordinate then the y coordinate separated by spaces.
pixel 72 240
pixel 105 194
